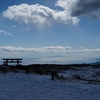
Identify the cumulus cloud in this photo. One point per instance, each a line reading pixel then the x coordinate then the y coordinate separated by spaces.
pixel 81 7
pixel 38 14
pixel 87 7
pixel 5 32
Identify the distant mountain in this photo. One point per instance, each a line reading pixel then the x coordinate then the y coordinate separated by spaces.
pixel 96 63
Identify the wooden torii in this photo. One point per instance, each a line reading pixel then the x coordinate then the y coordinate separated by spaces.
pixel 12 60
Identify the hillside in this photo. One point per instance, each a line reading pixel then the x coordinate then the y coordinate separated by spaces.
pixel 73 83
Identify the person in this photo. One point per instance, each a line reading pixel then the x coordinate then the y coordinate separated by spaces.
pixel 53 74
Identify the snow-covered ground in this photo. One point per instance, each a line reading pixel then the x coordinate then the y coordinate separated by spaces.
pixel 21 86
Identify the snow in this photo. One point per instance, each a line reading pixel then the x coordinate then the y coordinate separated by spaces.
pixel 21 86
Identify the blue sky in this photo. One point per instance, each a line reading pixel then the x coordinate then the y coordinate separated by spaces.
pixel 50 31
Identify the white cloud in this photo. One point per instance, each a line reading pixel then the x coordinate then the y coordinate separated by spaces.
pixel 14 26
pixel 61 54
pixel 97 40
pixel 47 49
pixel 42 15
pixel 38 14
pixel 5 32
pixel 66 4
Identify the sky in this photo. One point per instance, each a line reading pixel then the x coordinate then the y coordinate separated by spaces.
pixel 50 31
